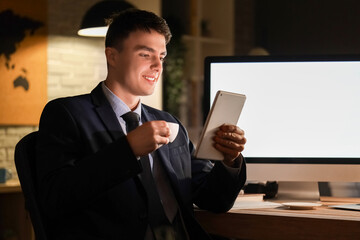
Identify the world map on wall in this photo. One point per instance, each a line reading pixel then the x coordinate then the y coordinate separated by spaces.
pixel 13 30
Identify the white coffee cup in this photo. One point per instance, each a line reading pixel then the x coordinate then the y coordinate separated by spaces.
pixel 174 129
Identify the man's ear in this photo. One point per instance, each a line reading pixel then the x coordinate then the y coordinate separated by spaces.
pixel 111 56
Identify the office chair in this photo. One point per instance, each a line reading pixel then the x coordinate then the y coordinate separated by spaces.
pixel 25 166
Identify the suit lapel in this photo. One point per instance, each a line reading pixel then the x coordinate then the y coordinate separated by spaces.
pixel 106 113
pixel 108 117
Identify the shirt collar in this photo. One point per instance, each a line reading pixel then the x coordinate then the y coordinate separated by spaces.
pixel 118 106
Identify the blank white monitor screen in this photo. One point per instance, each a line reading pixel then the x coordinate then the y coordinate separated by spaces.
pixel 296 108
pixel 301 118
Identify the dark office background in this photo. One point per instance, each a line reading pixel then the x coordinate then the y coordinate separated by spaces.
pixel 298 27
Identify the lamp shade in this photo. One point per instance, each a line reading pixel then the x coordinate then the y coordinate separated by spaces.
pixel 93 23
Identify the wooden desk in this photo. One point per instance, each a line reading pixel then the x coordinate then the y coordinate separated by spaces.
pixel 14 220
pixel 282 223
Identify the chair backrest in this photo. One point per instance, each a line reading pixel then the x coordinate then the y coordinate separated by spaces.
pixel 25 166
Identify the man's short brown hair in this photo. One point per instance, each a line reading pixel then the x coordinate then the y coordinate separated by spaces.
pixel 128 21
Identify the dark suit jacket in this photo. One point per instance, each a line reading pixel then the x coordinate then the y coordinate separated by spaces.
pixel 88 175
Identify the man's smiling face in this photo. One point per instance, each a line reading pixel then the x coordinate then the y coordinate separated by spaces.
pixel 139 63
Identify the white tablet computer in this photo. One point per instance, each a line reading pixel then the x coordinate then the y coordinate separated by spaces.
pixel 225 109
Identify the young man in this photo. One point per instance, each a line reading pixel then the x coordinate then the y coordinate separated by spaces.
pixel 100 179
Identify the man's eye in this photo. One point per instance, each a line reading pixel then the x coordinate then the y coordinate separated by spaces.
pixel 162 59
pixel 144 55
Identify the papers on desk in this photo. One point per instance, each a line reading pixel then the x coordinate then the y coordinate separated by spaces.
pixel 255 204
pixel 253 197
pixel 252 201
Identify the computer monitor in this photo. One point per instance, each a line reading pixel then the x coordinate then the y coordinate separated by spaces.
pixel 301 117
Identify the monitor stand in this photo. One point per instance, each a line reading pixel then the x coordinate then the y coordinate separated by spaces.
pixel 298 191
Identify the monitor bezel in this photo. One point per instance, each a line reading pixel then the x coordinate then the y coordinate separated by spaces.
pixel 276 160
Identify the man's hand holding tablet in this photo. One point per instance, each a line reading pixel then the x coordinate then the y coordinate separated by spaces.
pixel 220 127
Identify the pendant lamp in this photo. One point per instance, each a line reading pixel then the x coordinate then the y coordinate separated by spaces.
pixel 93 23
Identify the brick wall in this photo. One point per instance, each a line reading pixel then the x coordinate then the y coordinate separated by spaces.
pixel 9 136
pixel 75 65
